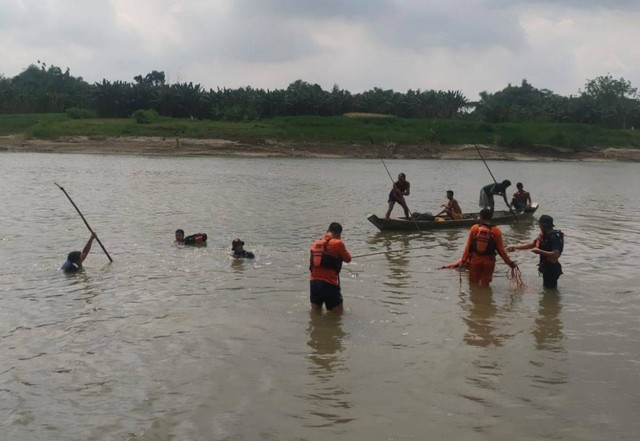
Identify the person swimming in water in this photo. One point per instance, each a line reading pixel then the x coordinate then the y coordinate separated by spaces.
pixel 237 246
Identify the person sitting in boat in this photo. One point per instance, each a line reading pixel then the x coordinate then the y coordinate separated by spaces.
pixel 400 189
pixel 521 199
pixel 75 258
pixel 452 208
pixel 194 239
pixel 237 246
pixel 489 191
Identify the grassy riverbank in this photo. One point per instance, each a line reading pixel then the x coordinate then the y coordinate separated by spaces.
pixel 386 130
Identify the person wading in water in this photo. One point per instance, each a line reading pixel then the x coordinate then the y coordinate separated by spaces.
pixel 325 263
pixel 549 246
pixel 485 240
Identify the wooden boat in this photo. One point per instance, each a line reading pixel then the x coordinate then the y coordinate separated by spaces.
pixel 468 219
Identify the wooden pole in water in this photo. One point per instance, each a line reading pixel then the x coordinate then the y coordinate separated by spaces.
pixel 85 221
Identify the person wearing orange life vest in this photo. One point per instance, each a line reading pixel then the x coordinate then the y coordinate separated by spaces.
pixel 325 263
pixel 400 189
pixel 549 246
pixel 485 240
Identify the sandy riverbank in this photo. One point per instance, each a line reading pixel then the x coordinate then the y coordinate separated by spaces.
pixel 157 146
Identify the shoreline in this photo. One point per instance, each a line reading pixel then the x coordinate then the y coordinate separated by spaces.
pixel 159 146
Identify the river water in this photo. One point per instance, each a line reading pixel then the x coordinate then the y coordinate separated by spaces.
pixel 178 343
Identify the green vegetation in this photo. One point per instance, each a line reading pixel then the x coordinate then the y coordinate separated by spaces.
pixel 47 102
pixel 329 129
pixel 605 101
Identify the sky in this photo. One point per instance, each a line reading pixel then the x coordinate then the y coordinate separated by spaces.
pixel 465 45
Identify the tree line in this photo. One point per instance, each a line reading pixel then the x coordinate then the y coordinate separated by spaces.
pixel 40 88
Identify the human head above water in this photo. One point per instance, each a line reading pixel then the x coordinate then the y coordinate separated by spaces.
pixel 74 256
pixel 486 214
pixel 179 234
pixel 335 228
pixel 237 243
pixel 545 221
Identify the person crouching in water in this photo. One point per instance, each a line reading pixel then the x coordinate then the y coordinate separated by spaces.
pixel 75 258
pixel 485 240
pixel 325 263
pixel 549 246
pixel 237 246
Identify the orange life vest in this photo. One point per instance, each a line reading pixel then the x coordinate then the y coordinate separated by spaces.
pixel 320 257
pixel 484 242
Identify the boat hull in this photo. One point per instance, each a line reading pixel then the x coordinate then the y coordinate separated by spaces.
pixel 469 219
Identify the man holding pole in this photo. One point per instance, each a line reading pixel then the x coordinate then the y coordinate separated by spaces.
pixel 400 189
pixel 75 258
pixel 488 191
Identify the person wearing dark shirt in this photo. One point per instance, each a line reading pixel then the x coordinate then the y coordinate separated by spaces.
pixel 549 246
pixel 489 191
pixel 400 189
pixel 521 199
pixel 237 246
pixel 75 258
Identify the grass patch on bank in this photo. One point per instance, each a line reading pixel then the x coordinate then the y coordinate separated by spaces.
pixel 330 129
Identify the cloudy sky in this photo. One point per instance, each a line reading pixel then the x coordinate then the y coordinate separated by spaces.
pixel 467 45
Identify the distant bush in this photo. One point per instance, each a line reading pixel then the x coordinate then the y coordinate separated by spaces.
pixel 145 116
pixel 78 113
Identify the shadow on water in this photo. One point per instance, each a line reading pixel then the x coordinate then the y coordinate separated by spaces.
pixel 329 399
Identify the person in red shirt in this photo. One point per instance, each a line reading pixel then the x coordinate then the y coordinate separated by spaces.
pixel 327 255
pixel 485 240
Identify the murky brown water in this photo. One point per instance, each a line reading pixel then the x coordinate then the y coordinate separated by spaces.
pixel 173 343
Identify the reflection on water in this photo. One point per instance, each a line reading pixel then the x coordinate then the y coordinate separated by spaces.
pixel 548 325
pixel 328 398
pixel 480 317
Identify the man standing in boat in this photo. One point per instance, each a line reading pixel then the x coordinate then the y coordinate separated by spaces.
pixel 489 191
pixel 485 240
pixel 400 189
pixel 327 255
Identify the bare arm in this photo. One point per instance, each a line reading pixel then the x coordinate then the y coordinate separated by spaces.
pixel 552 256
pixel 522 246
pixel 87 248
